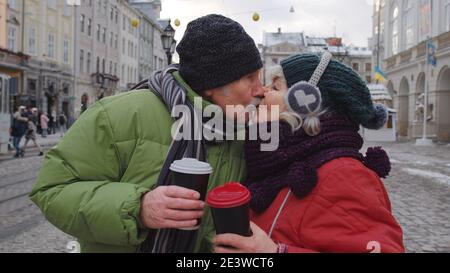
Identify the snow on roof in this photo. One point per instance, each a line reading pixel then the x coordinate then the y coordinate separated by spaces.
pixel 359 51
pixel 379 92
pixel 274 38
pixel 313 44
pixel 315 41
pixel 332 49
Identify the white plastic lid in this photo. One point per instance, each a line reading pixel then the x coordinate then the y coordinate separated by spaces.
pixel 191 166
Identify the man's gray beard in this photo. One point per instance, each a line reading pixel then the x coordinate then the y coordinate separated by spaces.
pixel 252 108
pixel 252 111
pixel 256 102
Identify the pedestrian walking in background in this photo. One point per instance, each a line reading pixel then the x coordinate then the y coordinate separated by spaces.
pixel 31 131
pixel 53 122
pixel 19 128
pixel 38 124
pixel 62 124
pixel 44 124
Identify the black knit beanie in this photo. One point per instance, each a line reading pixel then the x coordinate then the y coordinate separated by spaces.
pixel 342 89
pixel 216 51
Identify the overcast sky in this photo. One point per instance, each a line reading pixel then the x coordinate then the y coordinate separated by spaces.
pixel 350 18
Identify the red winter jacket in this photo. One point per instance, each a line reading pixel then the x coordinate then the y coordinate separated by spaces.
pixel 348 211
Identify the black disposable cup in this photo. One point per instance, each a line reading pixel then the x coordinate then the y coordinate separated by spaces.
pixel 191 174
pixel 230 209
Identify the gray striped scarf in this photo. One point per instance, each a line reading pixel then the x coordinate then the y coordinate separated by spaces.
pixel 169 91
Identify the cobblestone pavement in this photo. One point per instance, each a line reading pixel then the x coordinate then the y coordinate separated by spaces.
pixel 419 189
pixel 22 226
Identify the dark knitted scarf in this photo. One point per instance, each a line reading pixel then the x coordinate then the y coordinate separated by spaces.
pixel 298 157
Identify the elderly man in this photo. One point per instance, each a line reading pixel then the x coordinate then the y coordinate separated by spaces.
pixel 98 184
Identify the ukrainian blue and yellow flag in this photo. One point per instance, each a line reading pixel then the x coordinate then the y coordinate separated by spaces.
pixel 431 55
pixel 379 75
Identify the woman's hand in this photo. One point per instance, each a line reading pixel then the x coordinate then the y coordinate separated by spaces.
pixel 232 243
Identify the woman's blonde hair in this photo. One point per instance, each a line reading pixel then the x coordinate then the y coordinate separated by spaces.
pixel 311 124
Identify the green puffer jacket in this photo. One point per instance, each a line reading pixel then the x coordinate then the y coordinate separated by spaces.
pixel 91 183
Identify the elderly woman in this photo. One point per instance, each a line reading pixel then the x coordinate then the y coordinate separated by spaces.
pixel 317 193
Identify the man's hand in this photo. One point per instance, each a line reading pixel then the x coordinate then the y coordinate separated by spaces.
pixel 171 207
pixel 232 243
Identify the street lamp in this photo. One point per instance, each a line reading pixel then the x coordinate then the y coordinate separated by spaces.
pixel 425 141
pixel 168 41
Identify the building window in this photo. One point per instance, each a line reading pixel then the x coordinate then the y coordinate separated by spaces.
pixel 51 46
pixel 104 35
pixel 110 67
pixel 103 66
pixel 368 67
pixel 111 39
pixel 98 65
pixel 12 4
pixel 98 32
pixel 89 26
pixel 11 38
pixel 32 41
pixel 368 79
pixel 32 86
pixel 88 66
pixel 81 61
pixel 51 4
pixel 66 10
pixel 424 18
pixel 82 20
pixel 355 66
pixel 409 23
pixel 66 51
pixel 447 15
pixel 130 80
pixel 395 34
pixel 123 46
